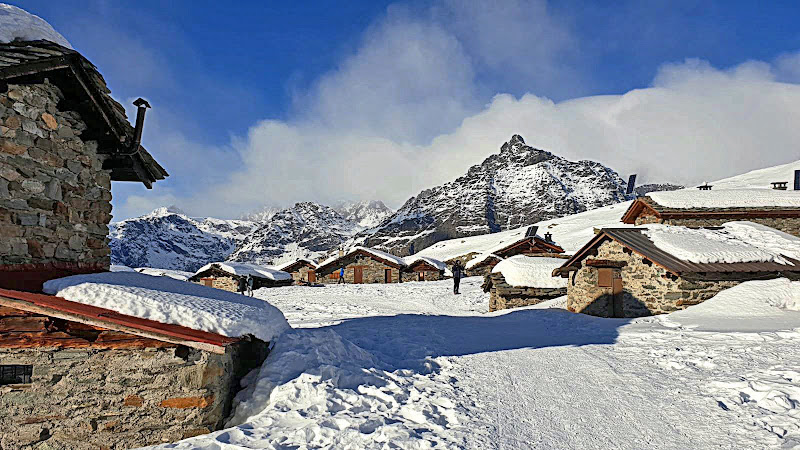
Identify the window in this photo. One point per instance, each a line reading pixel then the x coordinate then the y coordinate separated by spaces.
pixel 15 374
pixel 604 276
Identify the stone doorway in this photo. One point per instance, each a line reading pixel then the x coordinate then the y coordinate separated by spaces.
pixel 312 276
pixel 617 309
pixel 387 275
pixel 358 274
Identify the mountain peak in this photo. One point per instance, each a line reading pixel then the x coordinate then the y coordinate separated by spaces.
pixel 165 210
pixel 516 139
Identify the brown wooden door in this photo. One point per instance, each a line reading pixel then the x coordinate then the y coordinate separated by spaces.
pixel 312 276
pixel 387 275
pixel 208 282
pixel 421 276
pixel 358 275
pixel 617 292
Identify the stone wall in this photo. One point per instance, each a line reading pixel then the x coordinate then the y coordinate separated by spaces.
pixel 427 275
pixel 91 399
pixel 373 271
pixel 224 283
pixel 55 199
pixel 647 288
pixel 301 274
pixel 789 225
pixel 504 296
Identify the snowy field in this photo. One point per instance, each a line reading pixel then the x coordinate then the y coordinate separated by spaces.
pixel 413 366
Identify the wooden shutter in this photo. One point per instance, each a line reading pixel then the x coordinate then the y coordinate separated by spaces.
pixel 604 277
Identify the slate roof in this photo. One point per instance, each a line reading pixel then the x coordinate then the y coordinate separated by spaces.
pixel 87 93
pixel 636 241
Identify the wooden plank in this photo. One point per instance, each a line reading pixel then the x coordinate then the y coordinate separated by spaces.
pixel 23 324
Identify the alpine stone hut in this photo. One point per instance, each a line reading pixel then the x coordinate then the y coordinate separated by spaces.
pixel 362 265
pixel 302 270
pixel 422 268
pixel 227 275
pixel 530 244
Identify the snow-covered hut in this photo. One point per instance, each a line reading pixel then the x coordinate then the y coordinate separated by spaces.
pixel 530 244
pixel 63 140
pixel 302 270
pixel 523 280
pixel 656 269
pixel 124 360
pixel 362 265
pixel 423 268
pixel 779 209
pixel 226 276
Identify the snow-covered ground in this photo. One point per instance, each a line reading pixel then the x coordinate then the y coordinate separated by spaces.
pixel 412 366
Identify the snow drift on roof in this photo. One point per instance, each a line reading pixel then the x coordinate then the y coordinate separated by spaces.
pixel 120 268
pixel 413 259
pixel 287 264
pixel 531 271
pixel 243 270
pixel 176 274
pixel 171 301
pixel 383 255
pixel 18 24
pixel 727 198
pixel 742 242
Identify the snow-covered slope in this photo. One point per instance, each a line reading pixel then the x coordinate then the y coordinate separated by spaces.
pixel 367 214
pixel 169 239
pixel 519 186
pixel 306 230
pixel 18 24
pixel 759 179
pixel 261 215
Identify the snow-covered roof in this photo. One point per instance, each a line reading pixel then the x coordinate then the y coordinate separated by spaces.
pixel 243 269
pixel 727 198
pixel 413 259
pixel 176 274
pixel 382 255
pixel 531 271
pixel 120 268
pixel 480 259
pixel 18 24
pixel 735 242
pixel 291 263
pixel 170 301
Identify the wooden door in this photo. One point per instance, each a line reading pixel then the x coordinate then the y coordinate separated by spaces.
pixel 421 276
pixel 358 274
pixel 312 276
pixel 617 292
pixel 208 282
pixel 387 275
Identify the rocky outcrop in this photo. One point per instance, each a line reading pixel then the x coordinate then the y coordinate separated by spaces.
pixel 367 214
pixel 519 186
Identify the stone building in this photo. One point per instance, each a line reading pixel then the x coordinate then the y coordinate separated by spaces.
pixel 530 244
pixel 779 209
pixel 226 276
pixel 420 268
pixel 362 265
pixel 63 139
pixel 523 281
pixel 623 273
pixel 81 377
pixel 302 271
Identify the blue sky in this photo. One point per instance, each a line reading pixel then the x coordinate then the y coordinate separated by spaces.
pixel 268 103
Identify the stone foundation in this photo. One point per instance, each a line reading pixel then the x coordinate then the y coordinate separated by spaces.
pixel 647 288
pixel 504 296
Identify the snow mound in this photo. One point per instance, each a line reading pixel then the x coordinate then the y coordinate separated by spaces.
pixel 760 178
pixel 18 24
pixel 727 198
pixel 171 301
pixel 531 271
pixel 751 306
pixel 705 245
pixel 243 270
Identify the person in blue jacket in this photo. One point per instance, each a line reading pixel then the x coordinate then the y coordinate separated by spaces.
pixel 341 276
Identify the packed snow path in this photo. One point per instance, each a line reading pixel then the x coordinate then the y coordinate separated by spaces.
pixel 412 366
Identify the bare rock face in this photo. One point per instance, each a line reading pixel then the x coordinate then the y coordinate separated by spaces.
pixel 519 186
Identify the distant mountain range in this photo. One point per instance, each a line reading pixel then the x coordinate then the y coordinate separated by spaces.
pixel 518 186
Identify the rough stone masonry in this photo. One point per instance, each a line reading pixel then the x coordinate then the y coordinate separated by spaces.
pixel 55 199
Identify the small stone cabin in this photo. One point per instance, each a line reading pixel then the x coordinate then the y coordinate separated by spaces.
pixel 362 265
pixel 523 281
pixel 424 269
pixel 530 244
pixel 226 276
pixel 779 209
pixel 622 273
pixel 81 377
pixel 63 139
pixel 302 271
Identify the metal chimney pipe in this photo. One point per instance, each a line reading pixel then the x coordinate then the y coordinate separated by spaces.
pixel 797 180
pixel 141 105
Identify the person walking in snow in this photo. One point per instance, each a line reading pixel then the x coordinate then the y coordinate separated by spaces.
pixel 341 276
pixel 250 285
pixel 242 285
pixel 458 271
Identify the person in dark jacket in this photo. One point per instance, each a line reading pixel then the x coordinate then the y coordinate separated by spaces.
pixel 458 272
pixel 242 285
pixel 341 276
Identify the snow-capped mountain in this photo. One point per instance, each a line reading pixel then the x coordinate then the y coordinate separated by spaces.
pixel 260 215
pixel 306 230
pixel 367 214
pixel 169 239
pixel 519 186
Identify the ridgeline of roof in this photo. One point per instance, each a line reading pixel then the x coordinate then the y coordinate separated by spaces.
pixel 32 61
pixel 498 251
pixel 289 266
pixel 389 259
pixel 243 270
pixel 414 259
pixel 92 315
pixel 636 240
